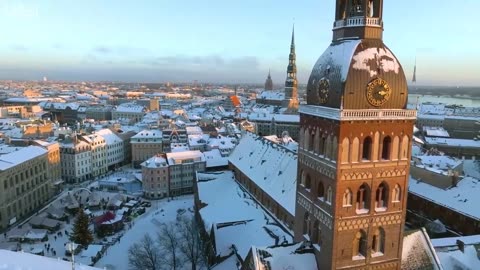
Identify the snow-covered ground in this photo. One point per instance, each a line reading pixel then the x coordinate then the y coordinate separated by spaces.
pixel 163 211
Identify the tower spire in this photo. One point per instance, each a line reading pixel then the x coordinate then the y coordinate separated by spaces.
pixel 291 95
pixel 414 79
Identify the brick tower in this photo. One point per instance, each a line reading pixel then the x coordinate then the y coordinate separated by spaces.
pixel 355 147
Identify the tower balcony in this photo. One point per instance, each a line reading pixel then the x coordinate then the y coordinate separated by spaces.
pixel 358 22
pixel 358 115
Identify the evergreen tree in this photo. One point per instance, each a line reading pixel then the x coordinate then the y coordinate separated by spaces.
pixel 81 234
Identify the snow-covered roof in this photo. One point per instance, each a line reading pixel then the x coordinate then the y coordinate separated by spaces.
pixel 272 167
pixel 130 108
pixel 437 164
pixel 452 257
pixel 25 261
pixel 463 198
pixel 418 252
pixel 452 142
pixel 293 256
pixel 214 158
pixel 155 162
pixel 12 159
pixel 157 134
pixel 234 216
pixel 272 95
pixel 180 157
pixel 290 118
pixel 436 132
pixel 109 136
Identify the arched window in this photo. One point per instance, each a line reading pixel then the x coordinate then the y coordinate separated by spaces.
pixel 308 182
pixel 306 223
pixel 316 143
pixel 303 179
pixel 316 232
pixel 329 194
pixel 363 199
pixel 396 193
pixel 360 245
pixel 367 148
pixel 334 149
pixel 320 190
pixel 405 147
pixel 306 139
pixel 312 142
pixel 345 149
pixel 347 198
pixel 322 147
pixel 381 196
pixel 386 148
pixel 378 242
pixel 328 147
pixel 354 150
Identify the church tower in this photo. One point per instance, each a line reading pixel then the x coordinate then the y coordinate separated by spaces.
pixel 291 93
pixel 355 147
pixel 269 82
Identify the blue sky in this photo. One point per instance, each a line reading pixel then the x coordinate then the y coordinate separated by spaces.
pixel 218 40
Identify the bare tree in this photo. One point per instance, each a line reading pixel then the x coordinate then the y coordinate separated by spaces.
pixel 169 243
pixel 190 243
pixel 144 255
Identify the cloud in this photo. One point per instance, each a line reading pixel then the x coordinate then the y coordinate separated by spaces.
pixel 19 48
pixel 120 51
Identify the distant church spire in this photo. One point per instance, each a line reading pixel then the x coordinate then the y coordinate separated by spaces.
pixel 269 82
pixel 414 79
pixel 291 94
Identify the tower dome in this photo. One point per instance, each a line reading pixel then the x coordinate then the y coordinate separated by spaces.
pixel 357 71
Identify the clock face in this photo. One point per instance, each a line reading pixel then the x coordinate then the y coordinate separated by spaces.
pixel 322 91
pixel 378 92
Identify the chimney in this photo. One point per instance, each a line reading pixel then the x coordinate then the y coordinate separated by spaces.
pixel 461 245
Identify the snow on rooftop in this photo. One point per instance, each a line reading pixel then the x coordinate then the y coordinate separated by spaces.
pixel 452 257
pixel 453 142
pixel 214 158
pixel 436 132
pixel 157 134
pixel 235 216
pixel 109 136
pixel 418 252
pixel 272 95
pixel 12 159
pixel 155 162
pixel 130 108
pixel 463 198
pixel 287 257
pixel 437 164
pixel 180 157
pixel 10 260
pixel 272 167
pixel 291 118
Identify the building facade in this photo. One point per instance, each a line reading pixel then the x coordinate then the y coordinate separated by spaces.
pixel 145 145
pixel 155 178
pixel 75 160
pixel 24 183
pixel 115 148
pixel 183 167
pixel 129 111
pixel 98 147
pixel 355 147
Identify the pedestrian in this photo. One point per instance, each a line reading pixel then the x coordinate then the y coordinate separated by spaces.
pixel 55 237
pixel 5 235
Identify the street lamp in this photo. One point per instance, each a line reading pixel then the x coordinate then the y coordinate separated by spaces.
pixel 71 249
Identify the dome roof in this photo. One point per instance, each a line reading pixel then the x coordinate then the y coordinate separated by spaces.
pixel 347 67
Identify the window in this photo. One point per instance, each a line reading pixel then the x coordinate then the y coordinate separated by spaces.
pixel 347 198
pixel 360 245
pixel 378 242
pixel 363 195
pixel 329 195
pixel 317 233
pixel 367 148
pixel 306 221
pixel 308 182
pixel 396 194
pixel 381 196
pixel 387 142
pixel 320 190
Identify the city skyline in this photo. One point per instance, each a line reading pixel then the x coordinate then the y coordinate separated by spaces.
pixel 222 42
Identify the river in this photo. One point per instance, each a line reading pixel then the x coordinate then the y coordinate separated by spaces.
pixel 465 101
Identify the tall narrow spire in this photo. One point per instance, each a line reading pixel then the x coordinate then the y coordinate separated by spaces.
pixel 414 79
pixel 291 95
